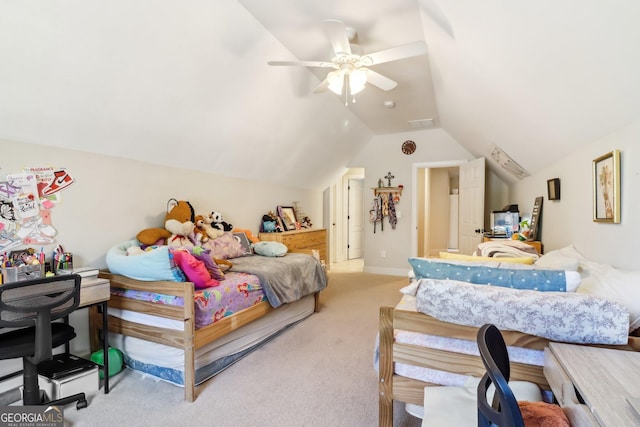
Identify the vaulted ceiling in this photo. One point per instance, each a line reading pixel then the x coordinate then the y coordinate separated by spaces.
pixel 187 83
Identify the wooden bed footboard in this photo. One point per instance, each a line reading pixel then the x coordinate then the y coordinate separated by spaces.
pixel 189 339
pixel 394 387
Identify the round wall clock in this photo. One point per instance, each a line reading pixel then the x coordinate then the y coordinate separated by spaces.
pixel 408 147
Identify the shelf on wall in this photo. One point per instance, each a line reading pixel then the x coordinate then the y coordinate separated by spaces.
pixel 380 190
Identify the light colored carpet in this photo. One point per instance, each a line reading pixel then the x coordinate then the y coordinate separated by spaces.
pixel 318 373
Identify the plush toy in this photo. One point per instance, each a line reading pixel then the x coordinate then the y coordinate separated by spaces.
pixel 178 226
pixel 199 233
pixel 204 231
pixel 224 264
pixel 218 222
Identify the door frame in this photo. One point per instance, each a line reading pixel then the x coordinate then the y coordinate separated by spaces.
pixel 351 213
pixel 414 194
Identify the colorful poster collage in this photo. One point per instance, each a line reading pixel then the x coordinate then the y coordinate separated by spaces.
pixel 26 201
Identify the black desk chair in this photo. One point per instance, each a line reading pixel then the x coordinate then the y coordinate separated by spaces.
pixel 504 410
pixel 32 306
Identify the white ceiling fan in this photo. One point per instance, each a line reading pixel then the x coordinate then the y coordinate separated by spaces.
pixel 351 66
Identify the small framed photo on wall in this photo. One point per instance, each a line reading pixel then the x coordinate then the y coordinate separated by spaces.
pixel 553 189
pixel 606 188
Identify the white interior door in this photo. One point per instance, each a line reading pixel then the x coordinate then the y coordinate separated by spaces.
pixel 355 220
pixel 471 205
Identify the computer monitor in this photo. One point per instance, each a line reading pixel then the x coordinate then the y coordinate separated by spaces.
pixel 505 223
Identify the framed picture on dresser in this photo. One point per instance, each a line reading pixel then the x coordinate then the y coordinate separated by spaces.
pixel 288 216
pixel 536 213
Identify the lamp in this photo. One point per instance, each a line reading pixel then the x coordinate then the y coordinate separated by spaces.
pixel 353 79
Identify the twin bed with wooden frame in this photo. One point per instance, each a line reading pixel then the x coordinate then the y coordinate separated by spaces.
pixel 266 320
pixel 395 387
pixel 400 359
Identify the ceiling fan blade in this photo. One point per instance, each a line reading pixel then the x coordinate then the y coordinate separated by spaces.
pixel 337 33
pixel 323 86
pixel 321 64
pixel 378 80
pixel 399 52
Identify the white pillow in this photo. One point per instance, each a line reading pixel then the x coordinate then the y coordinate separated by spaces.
pixel 555 260
pixel 573 280
pixel 605 281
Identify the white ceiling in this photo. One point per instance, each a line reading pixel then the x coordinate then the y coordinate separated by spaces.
pixel 187 83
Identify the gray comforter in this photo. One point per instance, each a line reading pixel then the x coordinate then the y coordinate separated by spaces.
pixel 284 279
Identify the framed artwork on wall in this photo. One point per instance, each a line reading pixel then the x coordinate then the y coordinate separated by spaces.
pixel 553 189
pixel 606 188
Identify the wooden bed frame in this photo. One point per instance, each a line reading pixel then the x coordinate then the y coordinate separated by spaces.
pixel 394 387
pixel 190 339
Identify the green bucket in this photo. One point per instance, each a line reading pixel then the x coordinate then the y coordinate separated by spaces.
pixel 115 361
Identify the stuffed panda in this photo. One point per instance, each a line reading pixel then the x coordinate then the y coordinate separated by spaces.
pixel 218 222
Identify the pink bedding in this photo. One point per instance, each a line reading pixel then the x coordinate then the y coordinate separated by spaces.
pixel 235 293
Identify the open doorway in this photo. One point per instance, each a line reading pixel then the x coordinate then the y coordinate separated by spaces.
pixel 347 216
pixel 437 210
pixel 479 192
pixel 432 183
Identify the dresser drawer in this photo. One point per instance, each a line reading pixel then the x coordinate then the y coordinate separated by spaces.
pixel 94 290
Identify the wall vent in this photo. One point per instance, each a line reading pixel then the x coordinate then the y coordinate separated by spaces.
pixel 420 123
pixel 507 163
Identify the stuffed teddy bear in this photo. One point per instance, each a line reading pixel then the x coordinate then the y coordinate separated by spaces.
pixel 199 233
pixel 218 222
pixel 204 231
pixel 178 226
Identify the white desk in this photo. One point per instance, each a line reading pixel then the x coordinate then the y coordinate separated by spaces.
pixel 603 378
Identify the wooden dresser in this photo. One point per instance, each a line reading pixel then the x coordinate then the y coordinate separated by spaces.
pixel 306 239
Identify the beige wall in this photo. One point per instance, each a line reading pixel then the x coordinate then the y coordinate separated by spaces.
pixel 570 219
pixel 383 155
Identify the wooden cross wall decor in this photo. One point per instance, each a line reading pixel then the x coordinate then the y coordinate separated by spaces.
pixel 389 177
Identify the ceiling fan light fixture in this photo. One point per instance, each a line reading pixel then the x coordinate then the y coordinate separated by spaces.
pixel 336 82
pixel 357 80
pixel 351 65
